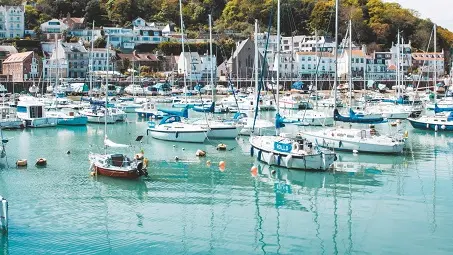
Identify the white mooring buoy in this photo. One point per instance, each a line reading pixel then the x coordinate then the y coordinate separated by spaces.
pixel 3 215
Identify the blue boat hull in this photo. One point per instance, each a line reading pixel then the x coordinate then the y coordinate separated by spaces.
pixel 77 121
pixel 426 126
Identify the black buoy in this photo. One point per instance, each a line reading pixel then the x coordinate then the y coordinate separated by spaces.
pixel 68 152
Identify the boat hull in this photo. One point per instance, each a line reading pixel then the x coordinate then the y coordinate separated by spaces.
pixel 101 119
pixel 181 136
pixel 320 162
pixel 41 122
pixel 131 174
pixel 348 145
pixel 430 126
pixel 223 132
pixel 76 121
pixel 148 115
pixel 12 124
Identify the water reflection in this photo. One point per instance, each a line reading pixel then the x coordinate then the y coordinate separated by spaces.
pixel 4 244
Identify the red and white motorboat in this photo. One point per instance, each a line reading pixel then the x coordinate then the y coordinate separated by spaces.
pixel 118 165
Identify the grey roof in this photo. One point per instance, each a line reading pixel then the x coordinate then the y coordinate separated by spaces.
pixel 8 48
pixel 73 47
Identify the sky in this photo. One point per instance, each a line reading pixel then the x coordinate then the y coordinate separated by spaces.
pixel 439 11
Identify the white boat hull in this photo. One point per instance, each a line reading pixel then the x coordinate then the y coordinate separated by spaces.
pixel 101 119
pixel 178 136
pixel 327 141
pixel 223 132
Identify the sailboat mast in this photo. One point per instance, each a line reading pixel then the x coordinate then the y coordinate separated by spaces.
pixel 350 64
pixel 398 60
pixel 256 60
pixel 210 58
pixel 91 58
pixel 106 83
pixel 435 57
pixel 183 53
pixel 335 83
pixel 278 55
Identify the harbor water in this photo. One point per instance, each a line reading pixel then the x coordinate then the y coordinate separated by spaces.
pixel 372 204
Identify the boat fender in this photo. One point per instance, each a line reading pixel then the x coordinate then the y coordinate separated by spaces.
pixel 279 160
pixel 271 159
pixel 443 127
pixel 251 151
pixel 295 146
pixel 289 161
pixel 427 125
pixel 436 127
pixel 259 155
pixel 177 134
pixel 145 162
pixel 340 144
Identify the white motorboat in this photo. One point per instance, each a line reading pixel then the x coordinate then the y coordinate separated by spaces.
pixel 128 106
pixel 171 128
pixel 218 129
pixel 68 117
pixel 353 139
pixel 97 115
pixel 443 103
pixel 310 118
pixel 291 153
pixel 390 110
pixel 118 114
pixel 261 126
pixel 294 101
pixel 134 89
pixel 148 111
pixel 34 114
pixel 9 118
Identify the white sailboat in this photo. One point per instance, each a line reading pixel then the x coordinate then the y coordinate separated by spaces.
pixel 292 153
pixel 171 128
pixel 353 139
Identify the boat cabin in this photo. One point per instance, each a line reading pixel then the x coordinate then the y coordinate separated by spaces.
pixel 30 110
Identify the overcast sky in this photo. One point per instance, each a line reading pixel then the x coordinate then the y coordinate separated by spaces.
pixel 439 11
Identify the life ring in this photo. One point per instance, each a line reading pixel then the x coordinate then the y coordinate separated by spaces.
pixel 295 146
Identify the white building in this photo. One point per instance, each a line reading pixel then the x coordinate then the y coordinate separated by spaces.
pixel 53 26
pixel 99 58
pixel 427 62
pixel 196 67
pixel 311 63
pixel 120 37
pixel 53 67
pixel 86 34
pixel 12 21
pixel 357 63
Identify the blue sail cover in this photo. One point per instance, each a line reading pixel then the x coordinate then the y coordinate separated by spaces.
pixel 298 85
pixel 356 118
pixel 437 109
pixel 181 113
pixel 204 108
pixel 279 121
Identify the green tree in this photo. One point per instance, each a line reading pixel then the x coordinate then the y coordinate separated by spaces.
pixel 100 42
pixel 31 17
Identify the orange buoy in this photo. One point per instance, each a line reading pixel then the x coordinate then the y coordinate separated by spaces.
pixel 222 166
pixel 254 171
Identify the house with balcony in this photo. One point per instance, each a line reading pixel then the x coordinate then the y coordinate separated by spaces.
pixel 76 56
pixel 427 63
pixel 53 29
pixel 85 34
pixel 99 59
pixel 123 38
pixel 12 21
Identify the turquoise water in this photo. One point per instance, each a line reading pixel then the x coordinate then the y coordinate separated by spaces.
pixel 370 204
